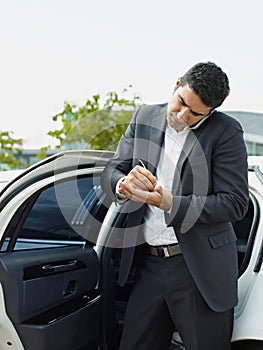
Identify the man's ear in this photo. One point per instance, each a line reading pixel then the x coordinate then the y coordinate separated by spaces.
pixel 178 82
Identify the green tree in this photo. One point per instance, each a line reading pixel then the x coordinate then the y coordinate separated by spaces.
pixel 97 124
pixel 9 147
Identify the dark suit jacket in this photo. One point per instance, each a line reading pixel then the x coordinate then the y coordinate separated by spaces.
pixel 210 191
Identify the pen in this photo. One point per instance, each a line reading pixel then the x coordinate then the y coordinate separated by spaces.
pixel 141 163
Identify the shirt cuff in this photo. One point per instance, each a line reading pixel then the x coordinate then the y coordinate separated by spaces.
pixel 120 197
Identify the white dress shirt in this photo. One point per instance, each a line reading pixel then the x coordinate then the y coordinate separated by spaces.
pixel 156 232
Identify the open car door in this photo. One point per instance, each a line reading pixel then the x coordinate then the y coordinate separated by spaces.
pixel 49 295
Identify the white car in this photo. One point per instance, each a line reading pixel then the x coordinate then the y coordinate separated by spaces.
pixel 58 265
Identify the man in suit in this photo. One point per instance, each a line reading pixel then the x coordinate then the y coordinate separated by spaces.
pixel 180 175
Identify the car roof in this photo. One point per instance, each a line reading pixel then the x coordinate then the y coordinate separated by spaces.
pixel 256 161
pixel 7 176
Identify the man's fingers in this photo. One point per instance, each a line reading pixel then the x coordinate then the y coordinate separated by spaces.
pixel 141 178
pixel 134 193
pixel 159 197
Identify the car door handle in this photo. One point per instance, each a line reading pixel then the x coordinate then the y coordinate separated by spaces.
pixel 71 265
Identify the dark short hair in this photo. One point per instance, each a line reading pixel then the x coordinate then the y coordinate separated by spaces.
pixel 209 82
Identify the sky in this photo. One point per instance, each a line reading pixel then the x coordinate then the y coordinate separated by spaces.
pixel 54 51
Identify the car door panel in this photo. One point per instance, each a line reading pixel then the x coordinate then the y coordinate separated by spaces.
pixel 43 303
pixel 68 332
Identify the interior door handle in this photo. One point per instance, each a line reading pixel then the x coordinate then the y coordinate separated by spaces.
pixel 70 265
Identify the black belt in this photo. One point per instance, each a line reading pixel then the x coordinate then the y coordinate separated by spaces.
pixel 165 251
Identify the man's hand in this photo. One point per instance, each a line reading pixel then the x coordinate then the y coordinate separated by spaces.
pixel 141 186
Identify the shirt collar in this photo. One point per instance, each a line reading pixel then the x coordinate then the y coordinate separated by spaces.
pixel 171 130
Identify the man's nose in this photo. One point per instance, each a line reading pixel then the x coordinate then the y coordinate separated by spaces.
pixel 182 113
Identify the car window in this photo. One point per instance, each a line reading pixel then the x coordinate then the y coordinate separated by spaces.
pixel 64 212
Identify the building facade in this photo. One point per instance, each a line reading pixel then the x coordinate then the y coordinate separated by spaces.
pixel 252 124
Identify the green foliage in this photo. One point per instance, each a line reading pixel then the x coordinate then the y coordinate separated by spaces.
pixel 9 147
pixel 97 124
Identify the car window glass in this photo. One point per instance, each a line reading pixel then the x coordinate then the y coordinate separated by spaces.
pixel 69 211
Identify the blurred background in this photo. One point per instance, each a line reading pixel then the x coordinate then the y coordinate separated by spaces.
pixel 64 51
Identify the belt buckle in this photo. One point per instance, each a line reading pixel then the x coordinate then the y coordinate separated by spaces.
pixel 166 252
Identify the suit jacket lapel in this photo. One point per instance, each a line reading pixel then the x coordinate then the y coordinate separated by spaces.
pixel 156 138
pixel 190 142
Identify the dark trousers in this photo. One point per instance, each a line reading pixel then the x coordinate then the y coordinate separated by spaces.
pixel 165 298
